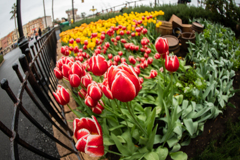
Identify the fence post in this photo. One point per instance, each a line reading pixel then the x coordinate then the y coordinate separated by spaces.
pixel 32 81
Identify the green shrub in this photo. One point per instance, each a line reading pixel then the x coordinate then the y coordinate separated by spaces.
pixel 1 58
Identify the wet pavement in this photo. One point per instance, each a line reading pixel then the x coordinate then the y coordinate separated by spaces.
pixel 27 131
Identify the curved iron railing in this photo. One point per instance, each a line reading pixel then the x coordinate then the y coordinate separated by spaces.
pixel 37 62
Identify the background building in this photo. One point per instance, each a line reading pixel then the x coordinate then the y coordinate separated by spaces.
pixel 70 15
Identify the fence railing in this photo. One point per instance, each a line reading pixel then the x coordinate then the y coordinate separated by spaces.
pixel 37 62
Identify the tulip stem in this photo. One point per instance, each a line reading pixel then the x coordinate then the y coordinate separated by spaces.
pixel 121 112
pixel 164 70
pixel 171 74
pixel 113 152
pixel 136 122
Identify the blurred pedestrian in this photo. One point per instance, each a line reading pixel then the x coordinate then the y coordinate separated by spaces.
pixel 39 32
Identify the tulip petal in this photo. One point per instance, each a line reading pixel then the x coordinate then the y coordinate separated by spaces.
pixel 123 88
pixel 81 133
pixel 81 144
pixel 95 146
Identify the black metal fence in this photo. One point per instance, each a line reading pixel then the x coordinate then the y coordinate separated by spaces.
pixel 37 62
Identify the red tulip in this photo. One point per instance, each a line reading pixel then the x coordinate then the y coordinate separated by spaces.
pixel 136 48
pixel 94 91
pixel 161 45
pixel 97 51
pixel 86 80
pixel 74 80
pixel 107 44
pixel 77 68
pixel 89 136
pixel 110 56
pixel 118 38
pixel 153 74
pixel 123 41
pixel 132 60
pixel 78 40
pixel 106 90
pixel 120 53
pixel 150 60
pixel 86 42
pixel 142 59
pixel 157 56
pixel 126 45
pixel 142 50
pixel 115 63
pixel 102 36
pixel 90 102
pixel 98 108
pixel 116 58
pixel 71 41
pixel 62 96
pixel 110 63
pixel 140 80
pixel 148 51
pixel 82 93
pixel 123 60
pixel 58 73
pixel 75 49
pixel 145 55
pixel 98 65
pixel 137 70
pixel 138 29
pixel 70 48
pixel 143 17
pixel 85 47
pixel 144 31
pixel 128 32
pixel 121 33
pixel 123 82
pixel 65 70
pixel 172 63
pixel 133 34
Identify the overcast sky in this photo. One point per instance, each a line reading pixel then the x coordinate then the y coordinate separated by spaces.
pixel 32 9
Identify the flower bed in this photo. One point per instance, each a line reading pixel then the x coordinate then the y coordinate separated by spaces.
pixel 145 102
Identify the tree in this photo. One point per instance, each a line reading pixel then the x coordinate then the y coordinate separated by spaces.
pixel 14 13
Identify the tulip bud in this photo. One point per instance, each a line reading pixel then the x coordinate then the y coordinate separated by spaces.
pixel 172 63
pixel 58 73
pixel 140 80
pixel 71 41
pixel 90 102
pixel 98 65
pixel 62 96
pixel 137 70
pixel 78 40
pixel 74 80
pixel 94 91
pixel 82 93
pixel 85 42
pixel 120 53
pixel 98 108
pixel 110 56
pixel 161 45
pixel 150 60
pixel 118 38
pixel 153 74
pixel 86 80
pixel 157 56
pixel 116 58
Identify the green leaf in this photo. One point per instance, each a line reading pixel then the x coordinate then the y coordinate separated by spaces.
pixel 150 121
pixel 189 125
pixel 122 149
pixel 178 155
pixel 176 147
pixel 151 138
pixel 79 114
pixel 107 141
pixel 171 142
pixel 151 156
pixel 162 152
